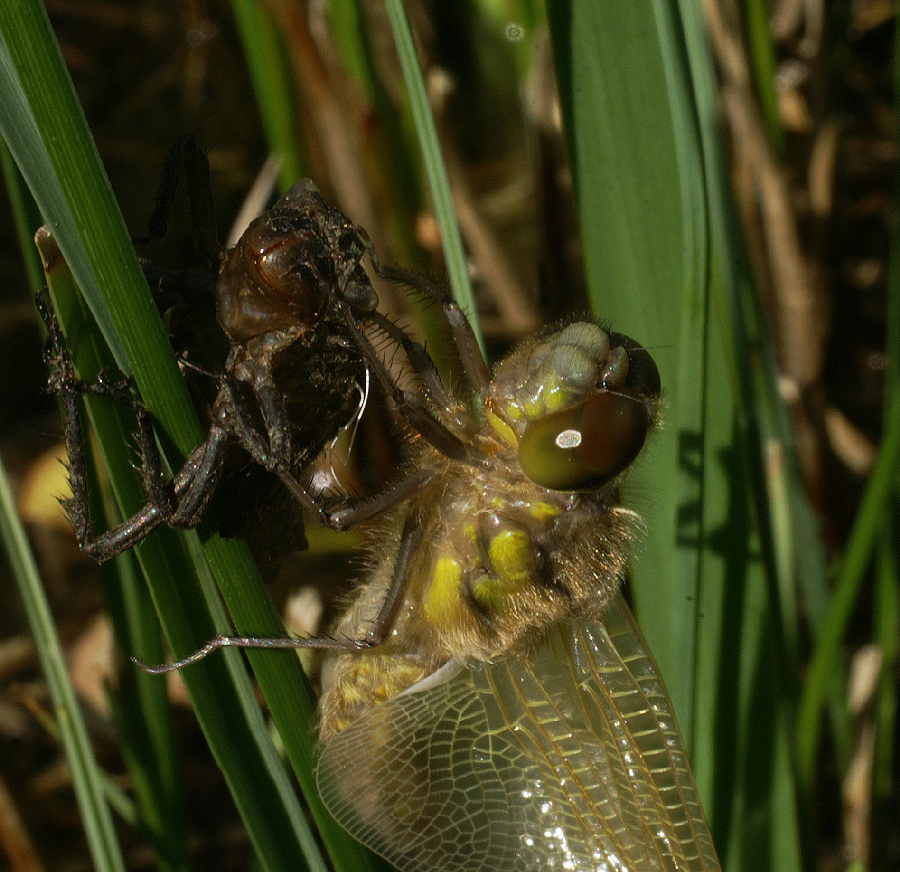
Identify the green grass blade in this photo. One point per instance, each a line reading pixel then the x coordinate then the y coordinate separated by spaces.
pixel 148 742
pixel 142 714
pixel 781 553
pixel 762 54
pixel 140 706
pixel 644 244
pixel 873 510
pixel 226 708
pixel 434 165
pixel 87 778
pixel 272 84
pixel 659 243
pixel 759 639
pixel 221 692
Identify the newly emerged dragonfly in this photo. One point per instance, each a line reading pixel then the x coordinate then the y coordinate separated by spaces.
pixel 511 717
pixel 488 701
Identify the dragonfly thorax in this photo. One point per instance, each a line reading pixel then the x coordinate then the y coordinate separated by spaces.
pixel 501 560
pixel 530 537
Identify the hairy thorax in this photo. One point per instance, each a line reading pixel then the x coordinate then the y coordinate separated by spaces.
pixel 500 560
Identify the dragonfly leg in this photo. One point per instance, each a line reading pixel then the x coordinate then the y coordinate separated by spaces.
pixel 474 364
pixel 348 517
pixel 411 538
pixel 412 406
pixel 176 503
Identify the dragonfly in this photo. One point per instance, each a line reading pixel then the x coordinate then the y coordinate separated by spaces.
pixel 291 379
pixel 488 701
pixel 510 716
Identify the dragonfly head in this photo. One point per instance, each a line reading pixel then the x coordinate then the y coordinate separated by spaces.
pixel 579 403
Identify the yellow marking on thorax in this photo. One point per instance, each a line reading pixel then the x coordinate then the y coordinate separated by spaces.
pixel 558 397
pixel 544 511
pixel 510 554
pixel 444 598
pixel 502 429
pixel 507 572
pixel 513 411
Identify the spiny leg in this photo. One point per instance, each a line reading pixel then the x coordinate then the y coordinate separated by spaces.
pixel 197 480
pixel 464 338
pixel 64 380
pixel 179 503
pixel 411 406
pixel 420 359
pixel 352 516
pixel 411 538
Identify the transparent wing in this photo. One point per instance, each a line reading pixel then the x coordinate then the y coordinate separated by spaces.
pixel 570 761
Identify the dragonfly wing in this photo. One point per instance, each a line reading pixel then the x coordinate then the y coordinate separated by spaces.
pixel 568 760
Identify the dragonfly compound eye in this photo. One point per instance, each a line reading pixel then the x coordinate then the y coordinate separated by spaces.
pixel 590 442
pixel 586 445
